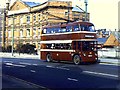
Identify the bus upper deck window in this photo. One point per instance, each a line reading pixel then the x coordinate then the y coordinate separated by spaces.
pixel 48 30
pixel 92 28
pixel 76 28
pixel 69 29
pixel 84 28
pixel 63 29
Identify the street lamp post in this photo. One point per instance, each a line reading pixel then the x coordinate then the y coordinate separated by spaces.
pixel 4 26
pixel 7 7
pixel 13 36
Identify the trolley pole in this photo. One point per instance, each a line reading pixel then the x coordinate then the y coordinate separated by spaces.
pixel 13 36
pixel 86 3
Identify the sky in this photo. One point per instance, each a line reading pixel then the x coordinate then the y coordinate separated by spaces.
pixel 103 13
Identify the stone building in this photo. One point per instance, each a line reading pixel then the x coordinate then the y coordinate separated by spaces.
pixel 25 20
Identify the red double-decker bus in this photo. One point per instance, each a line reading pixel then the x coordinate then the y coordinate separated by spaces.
pixel 74 41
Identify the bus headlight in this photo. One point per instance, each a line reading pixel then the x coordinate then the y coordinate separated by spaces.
pixel 96 54
pixel 71 54
pixel 84 54
pixel 90 53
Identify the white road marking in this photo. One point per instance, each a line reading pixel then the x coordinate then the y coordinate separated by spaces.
pixel 35 64
pixel 33 71
pixel 10 64
pixel 62 68
pixel 103 74
pixel 25 63
pixel 57 67
pixel 115 64
pixel 50 66
pixel 71 79
pixel 18 65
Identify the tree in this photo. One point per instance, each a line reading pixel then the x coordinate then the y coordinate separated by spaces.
pixel 26 48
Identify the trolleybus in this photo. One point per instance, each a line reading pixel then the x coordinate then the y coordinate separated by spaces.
pixel 76 42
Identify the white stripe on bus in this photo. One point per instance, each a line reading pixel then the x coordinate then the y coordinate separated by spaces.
pixel 65 41
pixel 57 50
pixel 67 33
pixel 57 41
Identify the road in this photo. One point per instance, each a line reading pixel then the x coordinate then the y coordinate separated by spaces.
pixel 56 75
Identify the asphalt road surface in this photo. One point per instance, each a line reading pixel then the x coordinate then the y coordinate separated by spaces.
pixel 56 75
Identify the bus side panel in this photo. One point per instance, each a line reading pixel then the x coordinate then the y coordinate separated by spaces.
pixel 43 55
pixel 61 56
pixel 65 56
pixel 54 56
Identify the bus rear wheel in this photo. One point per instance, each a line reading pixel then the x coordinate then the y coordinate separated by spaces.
pixel 76 59
pixel 49 58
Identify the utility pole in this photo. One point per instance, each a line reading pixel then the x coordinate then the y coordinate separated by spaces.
pixel 4 27
pixel 13 36
pixel 7 7
pixel 86 3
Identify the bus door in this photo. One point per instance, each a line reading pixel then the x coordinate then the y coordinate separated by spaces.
pixel 75 46
pixel 79 46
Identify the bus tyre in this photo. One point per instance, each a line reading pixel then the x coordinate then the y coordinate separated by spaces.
pixel 76 59
pixel 49 58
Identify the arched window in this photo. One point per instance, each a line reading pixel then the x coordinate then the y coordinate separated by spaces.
pixel 21 33
pixel 28 32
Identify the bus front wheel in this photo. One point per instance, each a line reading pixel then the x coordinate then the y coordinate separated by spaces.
pixel 49 58
pixel 76 59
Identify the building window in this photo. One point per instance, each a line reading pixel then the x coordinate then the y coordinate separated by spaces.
pixel 39 17
pixel 28 19
pixel 21 19
pixel 9 33
pixel 45 18
pixel 10 21
pixel 15 20
pixel 18 7
pixel 34 32
pixel 34 18
pixel 39 31
pixel 28 32
pixel 66 13
pixel 21 33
